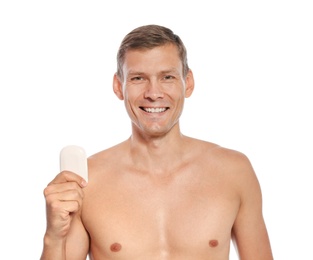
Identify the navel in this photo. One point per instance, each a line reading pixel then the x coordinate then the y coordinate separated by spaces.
pixel 116 247
pixel 213 243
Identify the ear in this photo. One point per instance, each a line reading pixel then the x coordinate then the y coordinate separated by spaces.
pixel 190 84
pixel 118 87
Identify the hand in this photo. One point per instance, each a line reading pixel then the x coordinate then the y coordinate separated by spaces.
pixel 64 197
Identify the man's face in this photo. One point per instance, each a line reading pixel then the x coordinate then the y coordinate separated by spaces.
pixel 154 88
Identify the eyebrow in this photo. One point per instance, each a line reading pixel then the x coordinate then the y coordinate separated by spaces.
pixel 172 70
pixel 132 72
pixel 167 71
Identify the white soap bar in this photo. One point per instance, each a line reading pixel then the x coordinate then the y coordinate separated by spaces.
pixel 73 158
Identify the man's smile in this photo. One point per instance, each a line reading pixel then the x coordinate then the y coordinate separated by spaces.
pixel 154 109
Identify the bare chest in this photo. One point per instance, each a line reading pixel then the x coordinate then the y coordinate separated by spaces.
pixel 163 219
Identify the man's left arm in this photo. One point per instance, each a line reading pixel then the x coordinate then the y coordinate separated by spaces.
pixel 249 232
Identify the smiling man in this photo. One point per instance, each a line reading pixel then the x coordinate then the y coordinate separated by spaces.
pixel 159 194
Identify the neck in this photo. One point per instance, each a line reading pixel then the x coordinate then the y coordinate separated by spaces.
pixel 159 153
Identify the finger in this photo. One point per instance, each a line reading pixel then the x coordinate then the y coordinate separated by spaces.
pixel 67 176
pixel 57 201
pixel 63 190
pixel 71 206
pixel 66 207
pixel 61 210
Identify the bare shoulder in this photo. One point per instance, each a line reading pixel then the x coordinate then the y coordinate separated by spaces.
pixel 106 159
pixel 233 168
pixel 225 160
pixel 109 151
pixel 219 153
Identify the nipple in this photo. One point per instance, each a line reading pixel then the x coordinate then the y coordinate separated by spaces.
pixel 213 243
pixel 116 247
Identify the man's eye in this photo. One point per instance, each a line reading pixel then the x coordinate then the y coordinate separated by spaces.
pixel 136 78
pixel 168 77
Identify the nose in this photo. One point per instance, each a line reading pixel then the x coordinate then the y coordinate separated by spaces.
pixel 153 90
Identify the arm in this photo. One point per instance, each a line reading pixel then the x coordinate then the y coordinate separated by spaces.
pixel 65 236
pixel 249 231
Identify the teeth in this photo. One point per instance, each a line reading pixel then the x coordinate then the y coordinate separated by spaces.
pixel 155 110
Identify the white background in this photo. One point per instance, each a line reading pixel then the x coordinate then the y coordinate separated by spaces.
pixel 253 66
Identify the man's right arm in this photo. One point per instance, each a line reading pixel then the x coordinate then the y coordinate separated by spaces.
pixel 64 196
pixel 53 249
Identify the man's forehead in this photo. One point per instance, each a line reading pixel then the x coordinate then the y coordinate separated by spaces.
pixel 169 70
pixel 165 58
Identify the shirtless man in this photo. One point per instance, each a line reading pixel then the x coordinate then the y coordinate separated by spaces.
pixel 158 195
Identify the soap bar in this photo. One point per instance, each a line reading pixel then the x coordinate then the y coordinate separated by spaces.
pixel 73 158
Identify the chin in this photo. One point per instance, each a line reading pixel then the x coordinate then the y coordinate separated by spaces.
pixel 156 131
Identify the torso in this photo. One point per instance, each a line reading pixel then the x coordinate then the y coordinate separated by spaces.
pixel 184 214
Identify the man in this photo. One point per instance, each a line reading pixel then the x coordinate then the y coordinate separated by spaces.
pixel 159 194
